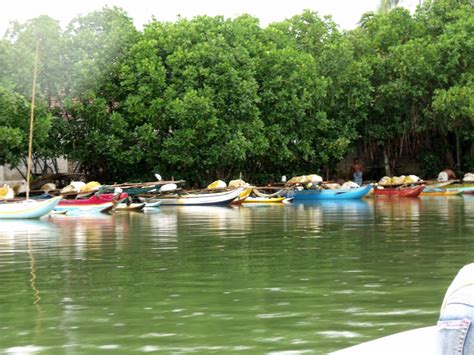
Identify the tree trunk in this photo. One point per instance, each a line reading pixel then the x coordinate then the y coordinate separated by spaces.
pixel 458 150
pixel 386 163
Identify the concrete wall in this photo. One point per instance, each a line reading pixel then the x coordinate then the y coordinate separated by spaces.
pixel 9 175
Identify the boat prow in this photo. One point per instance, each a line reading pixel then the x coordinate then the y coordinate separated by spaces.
pixel 27 209
pixel 416 341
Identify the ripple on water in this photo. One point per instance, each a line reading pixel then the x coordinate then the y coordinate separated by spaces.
pixel 27 349
pixel 340 334
pixel 157 335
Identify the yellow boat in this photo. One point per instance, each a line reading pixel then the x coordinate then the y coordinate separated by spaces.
pixel 242 196
pixel 441 193
pixel 264 200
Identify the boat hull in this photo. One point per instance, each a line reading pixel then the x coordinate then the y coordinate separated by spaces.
pixel 338 194
pixel 466 189
pixel 211 199
pixel 91 208
pixel 264 200
pixel 27 209
pixel 400 192
pixel 416 341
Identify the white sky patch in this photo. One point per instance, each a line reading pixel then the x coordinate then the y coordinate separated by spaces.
pixel 346 13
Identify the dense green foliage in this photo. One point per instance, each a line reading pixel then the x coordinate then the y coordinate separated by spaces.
pixel 212 98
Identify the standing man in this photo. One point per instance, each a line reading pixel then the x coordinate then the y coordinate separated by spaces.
pixel 357 170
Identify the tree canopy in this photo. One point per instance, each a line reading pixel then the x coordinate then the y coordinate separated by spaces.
pixel 211 97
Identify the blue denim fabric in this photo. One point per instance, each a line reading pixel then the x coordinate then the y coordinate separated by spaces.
pixel 455 325
pixel 358 178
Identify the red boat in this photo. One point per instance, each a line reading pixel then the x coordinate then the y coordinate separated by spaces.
pixel 92 201
pixel 400 191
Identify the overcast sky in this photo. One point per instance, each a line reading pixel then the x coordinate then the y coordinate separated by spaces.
pixel 345 13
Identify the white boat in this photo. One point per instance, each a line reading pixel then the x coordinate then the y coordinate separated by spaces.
pixel 27 209
pixel 84 209
pixel 154 204
pixel 130 206
pixel 202 199
pixel 411 342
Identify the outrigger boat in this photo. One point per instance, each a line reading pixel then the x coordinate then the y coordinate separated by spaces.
pixel 336 194
pixel 200 199
pixel 95 203
pixel 27 209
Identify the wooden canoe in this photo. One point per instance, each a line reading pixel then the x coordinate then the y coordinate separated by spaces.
pixel 400 191
pixel 27 209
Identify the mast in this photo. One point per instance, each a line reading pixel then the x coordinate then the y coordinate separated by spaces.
pixel 32 117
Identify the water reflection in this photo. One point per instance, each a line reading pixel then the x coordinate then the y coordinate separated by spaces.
pixel 304 277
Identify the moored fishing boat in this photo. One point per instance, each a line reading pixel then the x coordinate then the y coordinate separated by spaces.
pixel 200 199
pixel 134 206
pixel 336 194
pixel 27 208
pixel 399 191
pixel 264 200
pixel 101 203
pixel 466 189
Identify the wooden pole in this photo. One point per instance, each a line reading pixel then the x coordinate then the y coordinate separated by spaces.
pixel 32 117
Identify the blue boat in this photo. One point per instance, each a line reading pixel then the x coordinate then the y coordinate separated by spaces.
pixel 337 194
pixel 27 209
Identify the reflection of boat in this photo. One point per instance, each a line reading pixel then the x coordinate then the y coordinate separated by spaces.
pixel 264 200
pixel 416 341
pixel 337 194
pixel 466 189
pixel 212 198
pixel 336 205
pixel 27 208
pixel 400 191
pixel 427 192
pixel 13 227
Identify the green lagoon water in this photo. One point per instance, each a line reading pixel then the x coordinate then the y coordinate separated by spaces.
pixel 296 279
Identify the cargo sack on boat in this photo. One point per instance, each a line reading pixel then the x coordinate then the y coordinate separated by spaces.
pixel 398 180
pixel 315 179
pixel 411 179
pixel 168 187
pixel 48 187
pixel 237 183
pixel 306 179
pixel 74 186
pixel 350 185
pixel 443 176
pixel 468 177
pixel 91 186
pixel 219 184
pixel 6 192
pixel 332 186
pixel 385 181
pixel 297 180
